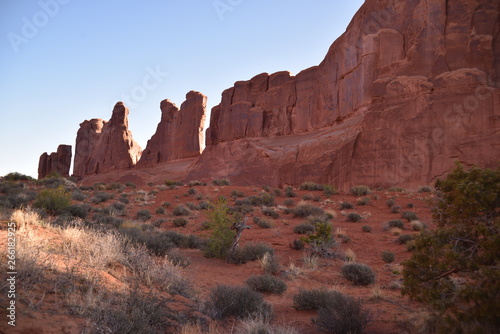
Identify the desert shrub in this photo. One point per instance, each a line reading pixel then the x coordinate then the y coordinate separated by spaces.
pixel 250 252
pixel 79 211
pixel 220 225
pixel 196 183
pixel 173 183
pixel 387 256
pixel 270 263
pixel 191 191
pixel 277 192
pixel 130 185
pixel 119 206
pixel 100 197
pixel 16 176
pixel 241 302
pixel 262 223
pixel 409 215
pixel 307 197
pixel 417 225
pixel 270 213
pixel 304 228
pixel 360 190
pixel 237 193
pixel 390 203
pixel 358 273
pixel 305 210
pixel 343 314
pixel 16 196
pixel 395 209
pixel 329 190
pixel 53 201
pixel 354 217
pixel 288 202
pixel 314 299
pixel 160 210
pixel 192 206
pixel 464 248
pixel 363 201
pixel 289 192
pixel 410 205
pixel 398 223
pixel 425 189
pixel 53 181
pixel 114 186
pixel 101 219
pixel 404 239
pixel 366 228
pixel 267 283
pixel 323 236
pixel 165 204
pixel 181 210
pixel 143 214
pixel 346 205
pixel 311 186
pixel 221 182
pixel 202 205
pixel 262 326
pixel 297 244
pixel 77 195
pixel 180 222
pixel 123 199
pixel 264 198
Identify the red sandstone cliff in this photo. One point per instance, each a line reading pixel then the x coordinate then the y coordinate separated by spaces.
pixel 57 162
pixel 179 134
pixel 106 146
pixel 409 88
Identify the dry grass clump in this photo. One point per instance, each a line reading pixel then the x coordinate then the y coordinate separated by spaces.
pixel 25 218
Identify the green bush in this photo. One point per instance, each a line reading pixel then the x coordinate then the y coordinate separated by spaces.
pixel 54 201
pixel 343 314
pixel 143 214
pixel 387 256
pixel 329 190
pixel 354 217
pixel 360 190
pixel 220 225
pixel 267 283
pixel 358 273
pixel 238 301
pixel 463 248
pixel 181 210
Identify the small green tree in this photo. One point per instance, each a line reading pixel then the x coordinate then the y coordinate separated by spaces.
pixel 53 201
pixel 221 221
pixel 456 268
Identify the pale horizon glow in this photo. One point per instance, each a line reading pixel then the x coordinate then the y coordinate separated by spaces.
pixel 66 61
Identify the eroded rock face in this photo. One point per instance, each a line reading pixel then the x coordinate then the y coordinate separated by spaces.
pixel 179 134
pixel 409 88
pixel 86 139
pixel 57 162
pixel 106 146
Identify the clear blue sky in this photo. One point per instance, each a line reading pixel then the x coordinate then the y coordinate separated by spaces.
pixel 65 61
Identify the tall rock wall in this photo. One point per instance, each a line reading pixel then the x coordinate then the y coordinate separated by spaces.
pixel 106 146
pixel 179 134
pixel 57 162
pixel 409 88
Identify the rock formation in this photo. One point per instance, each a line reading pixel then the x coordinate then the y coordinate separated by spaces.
pixel 179 134
pixel 86 139
pixel 106 146
pixel 57 162
pixel 408 89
